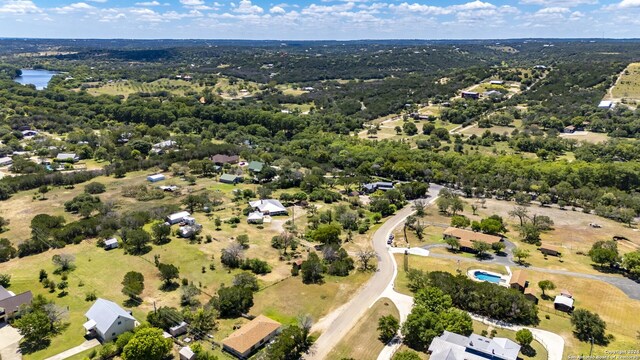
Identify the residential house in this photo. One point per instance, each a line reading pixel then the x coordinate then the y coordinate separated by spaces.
pixel 10 303
pixel 496 82
pixel 27 133
pixel 189 231
pixel 452 346
pixel 160 147
pixel 563 303
pixel 470 95
pixel 155 178
pixel 110 244
pixel 466 238
pixel 492 94
pixel 169 188
pixel 67 157
pixel 380 185
pixel 252 336
pixel 6 161
pixel 550 250
pixel 255 166
pixel 569 129
pixel 230 179
pixel 178 329
pixel 222 159
pixel 255 217
pixel 530 294
pixel 518 281
pixel 187 354
pixel 106 320
pixel 268 207
pixel 177 218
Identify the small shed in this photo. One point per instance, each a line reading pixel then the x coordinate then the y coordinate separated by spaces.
pixel 187 354
pixel 470 95
pixel 605 104
pixel 563 303
pixel 496 82
pixel 178 329
pixel 155 178
pixel 550 250
pixel 569 129
pixel 111 244
pixel 189 230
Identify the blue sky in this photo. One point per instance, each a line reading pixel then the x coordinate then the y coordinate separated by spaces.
pixel 319 19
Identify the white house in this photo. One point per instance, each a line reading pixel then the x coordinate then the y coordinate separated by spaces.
pixel 187 354
pixel 106 320
pixel 67 157
pixel 452 346
pixel 178 217
pixel 155 178
pixel 605 104
pixel 110 244
pixel 255 217
pixel 496 82
pixel 268 207
pixel 178 329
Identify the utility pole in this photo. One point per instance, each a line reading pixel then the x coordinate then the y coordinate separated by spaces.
pixel 591 351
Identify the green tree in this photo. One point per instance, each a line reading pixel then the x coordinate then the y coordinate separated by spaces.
pixel 530 233
pixel 588 325
pixel 165 317
pixel 433 299
pixel 168 272
pixel 388 327
pixel 201 322
pixel 406 355
pixel 410 128
pixel 521 254
pixel 36 329
pixel 147 344
pixel 421 327
pixel 161 232
pixel 43 190
pixel 95 188
pixel 546 285
pixel 132 286
pixel 453 242
pixel 460 221
pixel 457 321
pixel 233 301
pixel 290 344
pixel 246 280
pixel 604 252
pixel 631 262
pixel 481 248
pixel 524 337
pixel 312 270
pixel 136 241
pixel 7 251
pixel 327 234
pixel 520 212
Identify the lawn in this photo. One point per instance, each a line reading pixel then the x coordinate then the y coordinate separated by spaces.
pixel 362 342
pixel 629 84
pixel 126 88
pixel 539 350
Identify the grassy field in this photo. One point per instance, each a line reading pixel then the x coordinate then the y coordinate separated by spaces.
pixel 587 136
pixel 362 342
pixel 629 84
pixel 126 88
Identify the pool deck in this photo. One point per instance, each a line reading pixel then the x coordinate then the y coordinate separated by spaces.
pixel 504 279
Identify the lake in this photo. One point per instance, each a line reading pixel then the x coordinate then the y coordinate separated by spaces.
pixel 39 78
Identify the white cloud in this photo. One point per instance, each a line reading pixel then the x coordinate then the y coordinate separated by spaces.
pixel 148 3
pixel 560 3
pixel 626 4
pixel 192 2
pixel 80 6
pixel 555 10
pixel 19 7
pixel 98 1
pixel 247 7
pixel 277 10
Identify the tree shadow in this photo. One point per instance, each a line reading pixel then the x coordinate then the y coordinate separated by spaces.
pixel 169 286
pixel 528 351
pixel 133 301
pixel 29 347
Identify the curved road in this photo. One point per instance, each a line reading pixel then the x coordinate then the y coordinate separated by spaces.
pixel 337 324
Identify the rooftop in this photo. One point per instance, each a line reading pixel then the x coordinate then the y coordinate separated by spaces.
pixel 243 339
pixel 451 346
pixel 467 237
pixel 104 313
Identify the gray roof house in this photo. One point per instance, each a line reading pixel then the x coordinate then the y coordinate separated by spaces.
pixel 451 346
pixel 67 157
pixel 111 243
pixel 230 179
pixel 380 185
pixel 269 207
pixel 11 303
pixel 106 320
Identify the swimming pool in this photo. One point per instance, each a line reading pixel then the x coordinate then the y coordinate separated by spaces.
pixel 485 276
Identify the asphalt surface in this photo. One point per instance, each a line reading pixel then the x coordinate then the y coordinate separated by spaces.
pixel 337 324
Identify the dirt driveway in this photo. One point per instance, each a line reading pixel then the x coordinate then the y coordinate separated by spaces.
pixel 9 339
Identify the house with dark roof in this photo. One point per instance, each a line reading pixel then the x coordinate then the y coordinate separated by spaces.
pixel 550 250
pixel 380 185
pixel 518 281
pixel 222 159
pixel 251 336
pixel 452 346
pixel 470 95
pixel 11 303
pixel 106 320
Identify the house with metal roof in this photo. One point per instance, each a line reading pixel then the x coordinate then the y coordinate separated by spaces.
pixel 268 207
pixel 177 218
pixel 106 320
pixel 452 346
pixel 251 336
pixel 563 302
pixel 255 217
pixel 255 166
pixel 11 303
pixel 110 244
pixel 380 185
pixel 230 179
pixel 67 157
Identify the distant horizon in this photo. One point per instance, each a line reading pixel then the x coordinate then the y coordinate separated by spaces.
pixel 315 20
pixel 330 40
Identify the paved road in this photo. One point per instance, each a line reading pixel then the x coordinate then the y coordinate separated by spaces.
pixel 89 344
pixel 9 343
pixel 337 324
